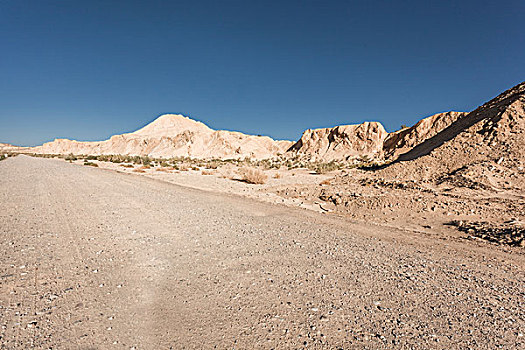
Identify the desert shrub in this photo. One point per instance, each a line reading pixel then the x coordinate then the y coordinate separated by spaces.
pixel 41 155
pixel 277 176
pixel 91 164
pixel 144 167
pixel 207 172
pixel 2 157
pixel 212 165
pixel 265 164
pixel 183 167
pixel 114 158
pixel 166 170
pixel 135 160
pixel 323 168
pixel 103 158
pixel 179 160
pixel 295 164
pixel 70 157
pixel 253 176
pixel 126 165
pixel 272 164
pixel 145 160
pixel 195 168
pixel 139 170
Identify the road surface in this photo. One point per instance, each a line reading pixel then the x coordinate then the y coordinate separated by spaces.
pixel 95 259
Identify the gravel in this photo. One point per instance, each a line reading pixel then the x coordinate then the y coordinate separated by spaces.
pixel 185 268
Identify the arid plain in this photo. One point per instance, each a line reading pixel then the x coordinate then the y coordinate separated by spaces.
pixel 177 235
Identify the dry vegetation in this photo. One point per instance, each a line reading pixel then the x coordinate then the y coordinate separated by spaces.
pixel 187 163
pixel 253 176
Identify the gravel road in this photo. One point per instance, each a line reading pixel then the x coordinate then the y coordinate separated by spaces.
pixel 92 258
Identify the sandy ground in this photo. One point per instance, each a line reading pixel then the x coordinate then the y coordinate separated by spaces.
pixel 92 258
pixel 226 179
pixel 421 207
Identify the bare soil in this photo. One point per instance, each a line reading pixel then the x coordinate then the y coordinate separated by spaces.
pixel 93 258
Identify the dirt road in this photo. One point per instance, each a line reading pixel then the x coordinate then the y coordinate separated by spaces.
pixel 92 258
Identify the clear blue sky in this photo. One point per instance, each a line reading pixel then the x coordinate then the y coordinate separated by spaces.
pixel 89 69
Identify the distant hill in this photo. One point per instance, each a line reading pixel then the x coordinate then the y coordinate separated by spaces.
pixel 172 135
pixel 6 147
pixel 493 129
pixel 341 142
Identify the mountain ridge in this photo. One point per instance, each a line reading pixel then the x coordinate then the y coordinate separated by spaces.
pixel 171 135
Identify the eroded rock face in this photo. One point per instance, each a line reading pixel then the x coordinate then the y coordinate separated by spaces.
pixel 369 139
pixel 492 135
pixel 403 140
pixel 341 142
pixel 173 135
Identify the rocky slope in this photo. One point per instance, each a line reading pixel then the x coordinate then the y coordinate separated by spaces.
pixel 175 135
pixel 469 178
pixel 483 145
pixel 368 139
pixel 341 142
pixel 490 131
pixel 403 140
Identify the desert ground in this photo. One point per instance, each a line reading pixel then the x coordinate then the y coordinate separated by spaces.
pixel 100 258
pixel 180 236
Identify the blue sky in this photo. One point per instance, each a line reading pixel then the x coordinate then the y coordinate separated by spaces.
pixel 89 69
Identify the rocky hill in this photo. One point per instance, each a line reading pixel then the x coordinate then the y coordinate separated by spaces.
pixel 484 148
pixel 369 139
pixel 173 135
pixel 341 142
pixel 460 173
pixel 405 139
pixel 492 129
